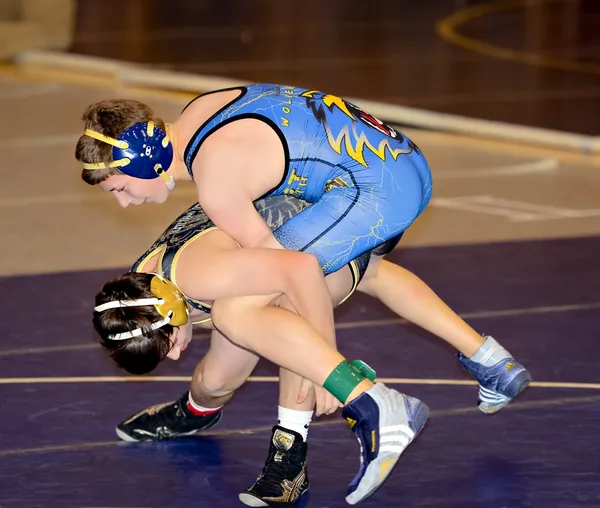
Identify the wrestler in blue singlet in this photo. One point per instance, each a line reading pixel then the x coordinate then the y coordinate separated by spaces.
pixel 367 182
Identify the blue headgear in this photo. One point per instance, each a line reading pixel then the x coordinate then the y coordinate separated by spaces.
pixel 142 151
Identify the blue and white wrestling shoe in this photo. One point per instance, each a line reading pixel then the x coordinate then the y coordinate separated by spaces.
pixel 385 423
pixel 499 381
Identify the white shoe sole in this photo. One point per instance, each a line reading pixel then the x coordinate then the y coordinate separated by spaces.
pixel 126 437
pixel 250 500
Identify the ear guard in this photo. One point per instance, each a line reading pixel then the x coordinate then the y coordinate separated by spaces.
pixel 168 301
pixel 142 151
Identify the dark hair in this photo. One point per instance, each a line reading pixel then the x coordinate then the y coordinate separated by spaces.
pixel 138 355
pixel 110 118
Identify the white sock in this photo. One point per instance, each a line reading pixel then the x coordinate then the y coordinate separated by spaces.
pixel 490 353
pixel 298 421
pixel 199 410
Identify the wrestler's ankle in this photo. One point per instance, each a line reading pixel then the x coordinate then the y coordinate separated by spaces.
pixel 347 381
pixel 204 398
pixel 359 390
pixel 209 405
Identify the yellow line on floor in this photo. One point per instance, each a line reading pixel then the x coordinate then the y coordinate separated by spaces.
pixel 447 29
pixel 270 379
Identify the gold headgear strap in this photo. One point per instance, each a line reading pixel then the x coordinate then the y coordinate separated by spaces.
pixel 123 145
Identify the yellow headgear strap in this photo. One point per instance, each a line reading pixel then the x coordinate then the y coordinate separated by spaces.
pixel 111 141
pixel 123 145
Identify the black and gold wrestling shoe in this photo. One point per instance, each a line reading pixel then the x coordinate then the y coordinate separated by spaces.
pixel 165 421
pixel 283 479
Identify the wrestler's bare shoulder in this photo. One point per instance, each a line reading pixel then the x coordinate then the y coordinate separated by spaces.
pixel 201 109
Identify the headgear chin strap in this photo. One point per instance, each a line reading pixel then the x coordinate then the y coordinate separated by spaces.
pixel 168 301
pixel 142 151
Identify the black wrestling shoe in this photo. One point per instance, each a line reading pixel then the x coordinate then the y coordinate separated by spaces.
pixel 165 421
pixel 283 479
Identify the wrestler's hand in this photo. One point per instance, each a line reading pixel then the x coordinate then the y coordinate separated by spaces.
pixel 325 403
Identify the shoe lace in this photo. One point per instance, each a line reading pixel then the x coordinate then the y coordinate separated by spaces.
pixel 164 415
pixel 166 419
pixel 275 471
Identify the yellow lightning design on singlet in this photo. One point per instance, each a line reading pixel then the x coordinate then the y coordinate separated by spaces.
pixel 354 141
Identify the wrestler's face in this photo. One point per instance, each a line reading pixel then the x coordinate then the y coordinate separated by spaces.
pixel 134 191
pixel 180 339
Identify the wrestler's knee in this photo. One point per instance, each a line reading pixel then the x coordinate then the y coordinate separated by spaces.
pixel 226 314
pixel 231 315
pixel 212 381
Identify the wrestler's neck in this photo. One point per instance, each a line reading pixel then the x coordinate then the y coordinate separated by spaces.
pixel 177 169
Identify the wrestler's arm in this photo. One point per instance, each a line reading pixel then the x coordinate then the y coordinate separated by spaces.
pixel 231 171
pixel 226 194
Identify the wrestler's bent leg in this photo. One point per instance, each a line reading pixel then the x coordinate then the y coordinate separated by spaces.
pixel 501 378
pixel 224 368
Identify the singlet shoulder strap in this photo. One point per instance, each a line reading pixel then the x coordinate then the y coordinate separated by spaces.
pixel 203 131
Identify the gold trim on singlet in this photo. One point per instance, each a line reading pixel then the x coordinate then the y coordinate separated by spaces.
pixel 205 320
pixel 176 258
pixel 355 279
pixel 142 263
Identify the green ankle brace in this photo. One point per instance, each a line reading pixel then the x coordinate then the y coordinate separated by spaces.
pixel 343 380
pixel 366 369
